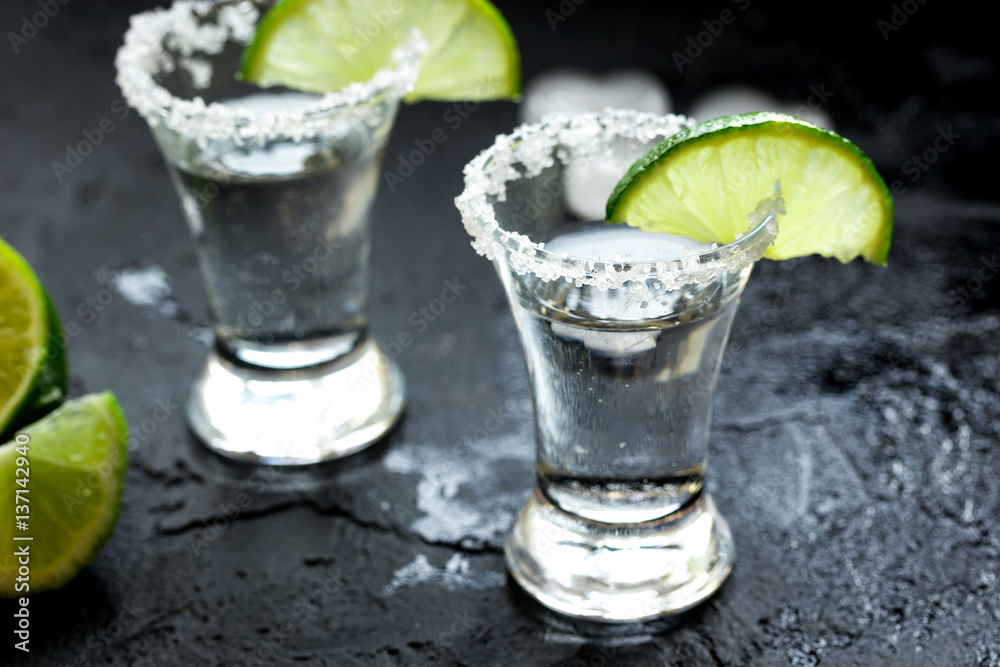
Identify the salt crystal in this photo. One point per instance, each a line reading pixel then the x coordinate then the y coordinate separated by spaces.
pixel 189 28
pixel 488 174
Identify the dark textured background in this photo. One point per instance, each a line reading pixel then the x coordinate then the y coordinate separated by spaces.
pixel 855 444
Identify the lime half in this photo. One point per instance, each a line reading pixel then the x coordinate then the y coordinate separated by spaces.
pixel 66 474
pixel 703 181
pixel 322 45
pixel 32 349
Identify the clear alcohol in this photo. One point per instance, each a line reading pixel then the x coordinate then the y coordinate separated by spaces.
pixel 623 379
pixel 282 232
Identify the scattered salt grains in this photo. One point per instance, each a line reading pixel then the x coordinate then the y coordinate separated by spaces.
pixel 639 287
pixel 967 512
pixel 146 286
pixel 455 575
pixel 454 502
pixel 200 71
pixel 149 286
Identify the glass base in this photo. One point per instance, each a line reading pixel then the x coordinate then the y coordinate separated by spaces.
pixel 619 572
pixel 296 417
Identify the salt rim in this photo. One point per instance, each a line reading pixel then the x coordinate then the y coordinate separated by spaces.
pixel 189 27
pixel 567 137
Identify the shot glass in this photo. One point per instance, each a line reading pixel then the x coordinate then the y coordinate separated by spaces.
pixel 623 333
pixel 277 188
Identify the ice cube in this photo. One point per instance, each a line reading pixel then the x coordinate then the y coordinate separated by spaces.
pixel 737 99
pixel 572 90
pixel 730 100
pixel 807 113
pixel 589 184
pixel 616 344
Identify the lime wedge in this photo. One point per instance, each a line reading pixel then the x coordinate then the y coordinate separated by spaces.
pixel 74 461
pixel 322 45
pixel 702 182
pixel 32 350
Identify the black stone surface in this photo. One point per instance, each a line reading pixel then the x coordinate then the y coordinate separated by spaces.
pixel 855 444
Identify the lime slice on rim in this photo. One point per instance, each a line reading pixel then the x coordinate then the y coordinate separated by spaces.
pixel 322 45
pixel 75 466
pixel 702 182
pixel 32 350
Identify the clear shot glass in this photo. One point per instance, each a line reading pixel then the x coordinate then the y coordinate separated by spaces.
pixel 623 333
pixel 277 188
